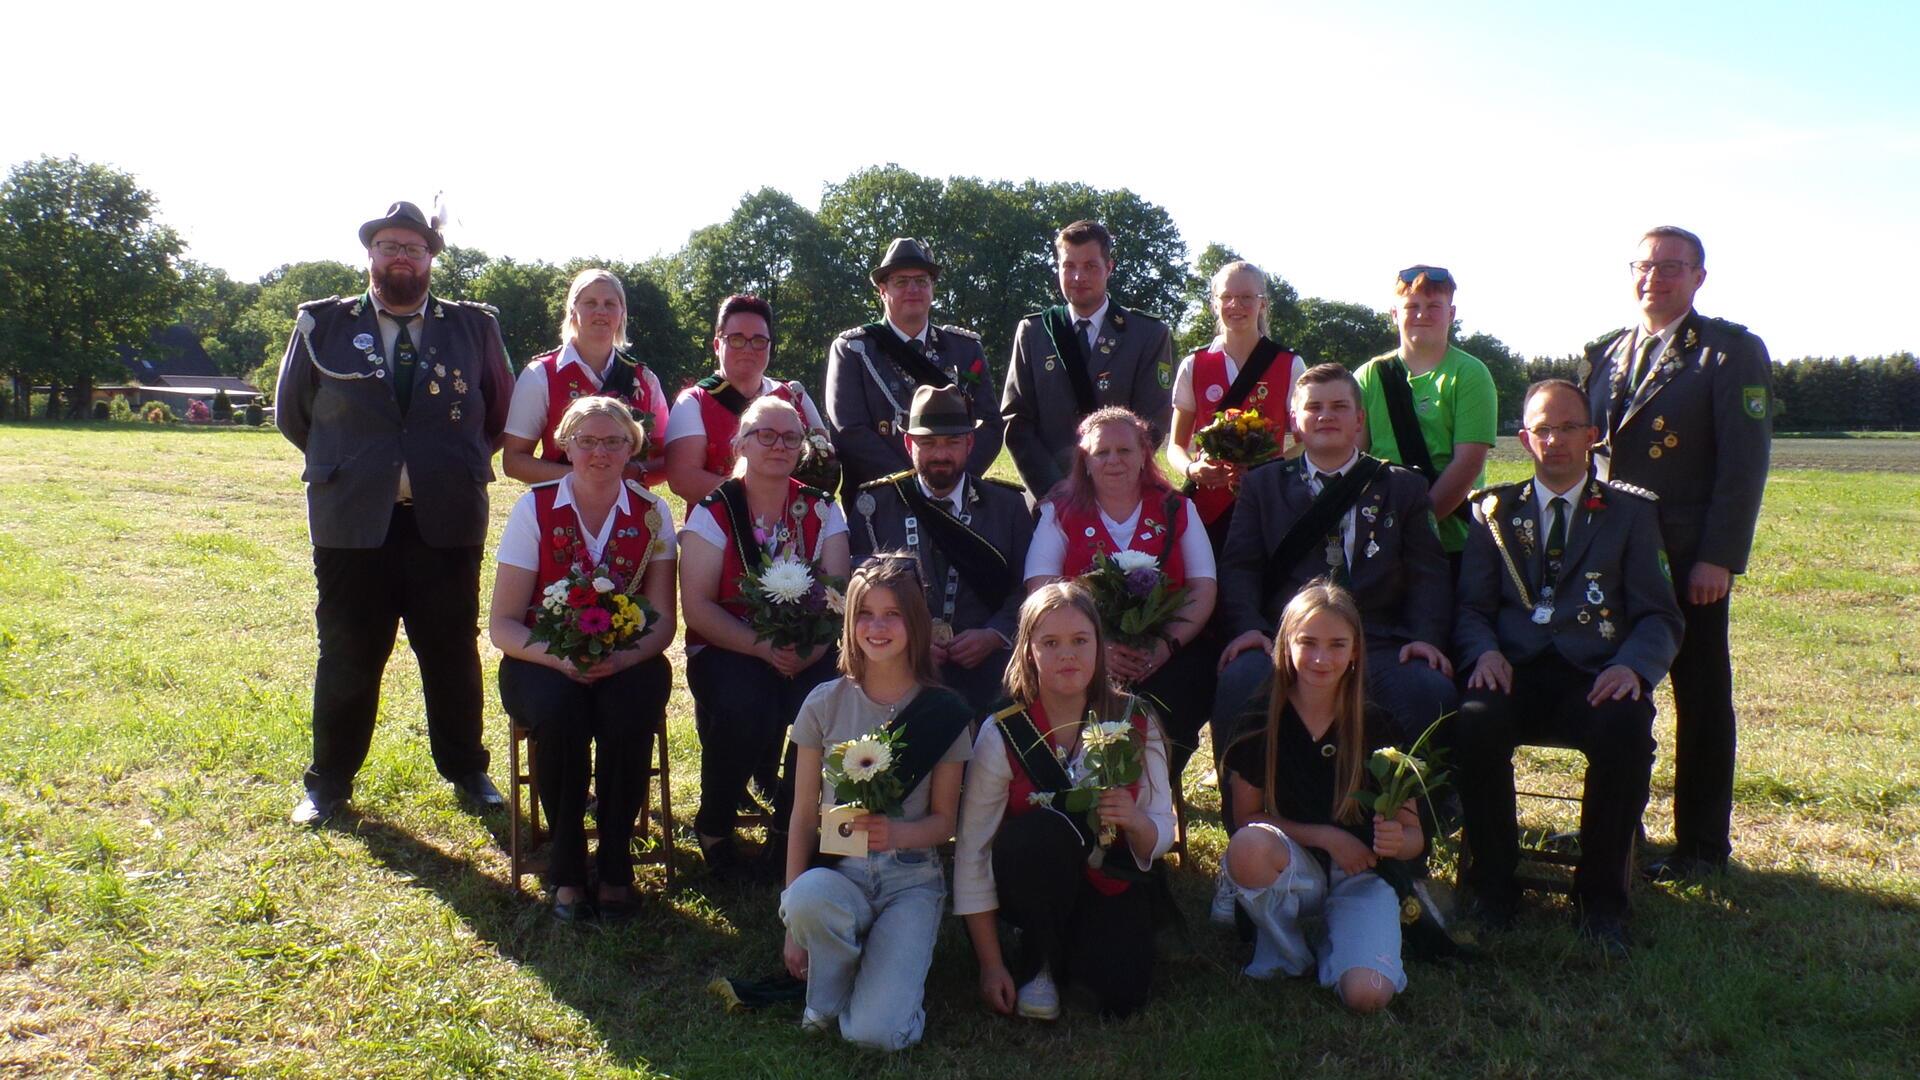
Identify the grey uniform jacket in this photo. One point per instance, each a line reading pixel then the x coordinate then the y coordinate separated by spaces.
pixel 1613 601
pixel 877 521
pixel 866 415
pixel 1697 434
pixel 1131 365
pixel 1400 576
pixel 335 401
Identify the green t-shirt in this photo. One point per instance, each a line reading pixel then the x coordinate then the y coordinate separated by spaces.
pixel 1455 403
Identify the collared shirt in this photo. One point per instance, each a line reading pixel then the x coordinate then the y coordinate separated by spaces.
pixel 955 499
pixel 1665 334
pixel 389 325
pixel 1313 485
pixel 1093 330
pixel 911 339
pixel 1542 497
pixel 520 541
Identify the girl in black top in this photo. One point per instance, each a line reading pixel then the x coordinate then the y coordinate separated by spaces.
pixel 1306 846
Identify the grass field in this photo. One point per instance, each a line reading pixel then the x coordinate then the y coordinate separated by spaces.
pixel 158 917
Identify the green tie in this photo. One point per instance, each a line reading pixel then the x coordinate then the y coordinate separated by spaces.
pixel 403 363
pixel 1556 536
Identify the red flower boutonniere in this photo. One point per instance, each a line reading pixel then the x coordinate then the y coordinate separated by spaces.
pixel 1593 501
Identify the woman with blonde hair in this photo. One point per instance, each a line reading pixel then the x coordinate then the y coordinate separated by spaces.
pixel 860 929
pixel 1305 846
pixel 745 690
pixel 1085 909
pixel 592 518
pixel 590 361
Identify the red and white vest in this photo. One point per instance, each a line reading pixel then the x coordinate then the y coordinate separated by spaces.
pixel 565 383
pixel 563 541
pixel 723 424
pixel 812 519
pixel 1272 395
pixel 1086 534
pixel 1020 789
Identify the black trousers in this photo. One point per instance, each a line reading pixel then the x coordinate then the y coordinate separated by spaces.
pixel 1704 735
pixel 1183 691
pixel 742 708
pixel 573 724
pixel 1548 705
pixel 1104 943
pixel 980 685
pixel 365 594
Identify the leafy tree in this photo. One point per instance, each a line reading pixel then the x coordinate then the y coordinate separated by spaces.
pixel 1343 333
pixel 455 269
pixel 213 306
pixel 1508 371
pixel 1150 272
pixel 530 298
pixel 268 324
pixel 84 269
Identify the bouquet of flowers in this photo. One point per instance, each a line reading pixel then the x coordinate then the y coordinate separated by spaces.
pixel 860 774
pixel 590 614
pixel 1239 437
pixel 819 466
pixel 1136 602
pixel 790 604
pixel 1113 753
pixel 1401 773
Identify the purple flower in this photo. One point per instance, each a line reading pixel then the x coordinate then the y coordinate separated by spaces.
pixel 1141 582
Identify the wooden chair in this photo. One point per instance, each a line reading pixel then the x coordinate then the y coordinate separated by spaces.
pixel 525 856
pixel 1550 850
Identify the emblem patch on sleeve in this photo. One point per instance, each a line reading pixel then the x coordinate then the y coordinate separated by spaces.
pixel 1165 371
pixel 1754 400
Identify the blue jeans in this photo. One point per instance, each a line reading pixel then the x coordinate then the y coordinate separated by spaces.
pixel 1362 921
pixel 868 926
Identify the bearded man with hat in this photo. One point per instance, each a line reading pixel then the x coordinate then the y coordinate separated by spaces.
pixel 873 371
pixel 967 535
pixel 398 399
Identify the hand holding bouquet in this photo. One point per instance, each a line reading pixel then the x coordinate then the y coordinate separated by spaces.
pixel 1112 755
pixel 1136 601
pixel 860 774
pixel 590 614
pixel 1239 437
pixel 790 604
pixel 1403 773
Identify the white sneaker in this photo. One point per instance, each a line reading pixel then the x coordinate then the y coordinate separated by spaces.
pixel 814 1024
pixel 1039 999
pixel 1221 912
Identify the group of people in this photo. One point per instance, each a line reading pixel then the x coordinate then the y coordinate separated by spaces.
pixel 1336 600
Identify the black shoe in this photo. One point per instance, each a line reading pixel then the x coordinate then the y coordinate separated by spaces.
pixel 1609 932
pixel 574 911
pixel 313 811
pixel 1683 868
pixel 725 862
pixel 476 789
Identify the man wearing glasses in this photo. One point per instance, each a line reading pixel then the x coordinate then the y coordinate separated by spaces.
pixel 1566 623
pixel 398 399
pixel 1684 407
pixel 1431 406
pixel 874 370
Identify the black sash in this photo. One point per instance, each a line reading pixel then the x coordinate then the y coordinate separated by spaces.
pixel 1036 757
pixel 930 723
pixel 910 360
pixel 1258 361
pixel 729 398
pixel 1176 520
pixel 622 374
pixel 1072 348
pixel 1322 517
pixel 1406 427
pixel 981 565
pixel 732 494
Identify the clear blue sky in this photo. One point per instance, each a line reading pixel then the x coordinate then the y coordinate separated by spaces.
pixel 1523 145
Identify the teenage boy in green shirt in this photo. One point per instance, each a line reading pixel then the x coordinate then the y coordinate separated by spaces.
pixel 1449 396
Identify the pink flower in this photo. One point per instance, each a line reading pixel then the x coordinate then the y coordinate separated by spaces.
pixel 595 620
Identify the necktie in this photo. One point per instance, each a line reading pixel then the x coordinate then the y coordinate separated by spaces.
pixel 1336 542
pixel 1642 363
pixel 1556 537
pixel 1081 326
pixel 403 363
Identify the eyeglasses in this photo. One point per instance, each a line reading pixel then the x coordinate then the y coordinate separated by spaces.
pixel 758 342
pixel 1557 431
pixel 1664 268
pixel 770 438
pixel 611 444
pixel 904 282
pixel 392 249
pixel 1436 275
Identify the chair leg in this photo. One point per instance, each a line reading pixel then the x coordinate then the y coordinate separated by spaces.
pixel 666 806
pixel 514 853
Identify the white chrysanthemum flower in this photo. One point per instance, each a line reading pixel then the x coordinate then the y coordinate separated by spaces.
pixel 836 601
pixel 865 758
pixel 603 584
pixel 786 580
pixel 1129 561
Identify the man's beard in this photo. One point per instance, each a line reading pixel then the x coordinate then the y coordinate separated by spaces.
pixel 400 285
pixel 940 475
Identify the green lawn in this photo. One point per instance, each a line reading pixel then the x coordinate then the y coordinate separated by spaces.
pixel 158 917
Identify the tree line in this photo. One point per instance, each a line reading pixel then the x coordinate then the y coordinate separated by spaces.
pixel 86 269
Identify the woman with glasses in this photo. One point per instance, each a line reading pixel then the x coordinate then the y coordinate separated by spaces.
pixel 745 690
pixel 589 361
pixel 597 519
pixel 1115 499
pixel 701 427
pixel 1242 369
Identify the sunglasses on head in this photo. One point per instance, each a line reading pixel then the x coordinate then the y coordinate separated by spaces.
pixel 883 566
pixel 1436 275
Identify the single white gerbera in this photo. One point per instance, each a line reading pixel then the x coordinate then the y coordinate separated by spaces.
pixel 865 758
pixel 786 580
pixel 1099 736
pixel 1129 561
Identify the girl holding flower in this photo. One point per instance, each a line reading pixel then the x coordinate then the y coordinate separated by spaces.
pixel 1085 911
pixel 745 689
pixel 861 930
pixel 1306 847
pixel 593 517
pixel 1114 499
